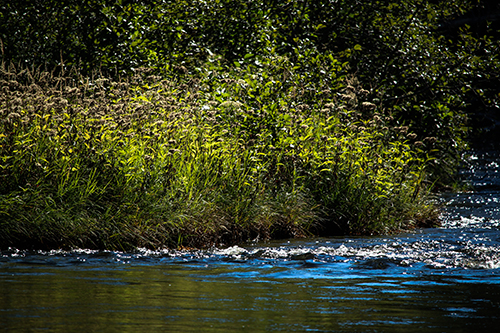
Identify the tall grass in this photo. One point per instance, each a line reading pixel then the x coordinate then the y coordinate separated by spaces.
pixel 219 154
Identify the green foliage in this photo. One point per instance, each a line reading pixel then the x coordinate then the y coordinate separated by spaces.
pixel 427 78
pixel 252 118
pixel 419 66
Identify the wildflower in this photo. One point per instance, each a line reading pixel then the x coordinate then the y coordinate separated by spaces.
pixel 153 77
pixel 72 90
pixel 13 115
pixel 231 104
pixel 412 136
pixel 181 69
pixel 350 96
pixel 401 129
pixel 369 105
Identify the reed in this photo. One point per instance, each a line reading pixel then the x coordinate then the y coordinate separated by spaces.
pixel 219 155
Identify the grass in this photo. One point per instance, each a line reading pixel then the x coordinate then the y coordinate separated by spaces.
pixel 214 155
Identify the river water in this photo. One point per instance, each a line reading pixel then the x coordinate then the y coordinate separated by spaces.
pixel 432 280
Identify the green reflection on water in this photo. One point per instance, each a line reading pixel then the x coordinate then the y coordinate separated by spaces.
pixel 228 298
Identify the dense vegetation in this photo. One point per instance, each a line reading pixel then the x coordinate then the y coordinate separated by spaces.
pixel 192 123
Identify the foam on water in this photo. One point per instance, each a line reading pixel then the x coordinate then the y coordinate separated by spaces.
pixel 467 248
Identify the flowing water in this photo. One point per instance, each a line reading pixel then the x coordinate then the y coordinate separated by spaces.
pixel 431 280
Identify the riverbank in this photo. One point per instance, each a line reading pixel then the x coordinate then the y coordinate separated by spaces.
pixel 175 124
pixel 217 157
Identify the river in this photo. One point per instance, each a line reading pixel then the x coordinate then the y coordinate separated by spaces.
pixel 432 280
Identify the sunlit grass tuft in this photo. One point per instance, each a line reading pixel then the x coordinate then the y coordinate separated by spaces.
pixel 219 156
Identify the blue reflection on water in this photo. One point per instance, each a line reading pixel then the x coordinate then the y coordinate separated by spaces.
pixel 431 280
